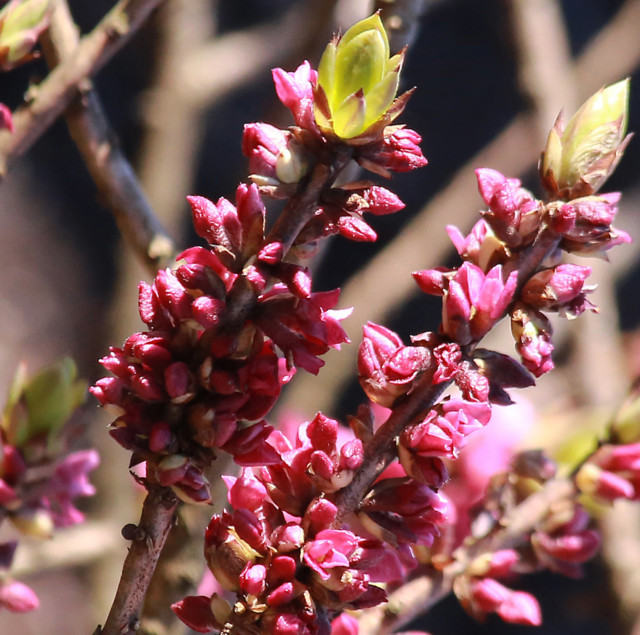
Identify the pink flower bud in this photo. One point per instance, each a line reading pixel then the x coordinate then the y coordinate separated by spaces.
pixel 173 297
pixel 386 368
pixel 245 492
pixel 208 311
pixel 252 579
pixel 295 91
pixel 6 120
pixel 532 332
pixel 553 288
pixel 281 595
pixel 321 513
pixel 196 613
pixel 17 597
pixel 513 212
pixel 398 151
pixel 281 568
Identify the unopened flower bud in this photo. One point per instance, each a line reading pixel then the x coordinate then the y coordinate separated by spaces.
pixel 560 289
pixel 386 368
pixel 6 119
pixel 578 159
pixel 532 333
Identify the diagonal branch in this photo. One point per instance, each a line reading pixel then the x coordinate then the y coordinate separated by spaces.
pixel 55 93
pixel 111 172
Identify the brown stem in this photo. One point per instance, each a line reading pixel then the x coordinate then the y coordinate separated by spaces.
pixel 381 450
pixel 156 521
pixel 111 172
pixel 51 97
pixel 303 206
pixel 418 595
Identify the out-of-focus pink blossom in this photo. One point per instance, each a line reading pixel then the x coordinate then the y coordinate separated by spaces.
pixel 69 481
pixel 612 472
pixel 345 624
pixel 489 596
pixel 6 120
pixel 17 597
pixel 531 330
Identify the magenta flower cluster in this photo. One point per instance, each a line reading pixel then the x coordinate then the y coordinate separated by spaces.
pixel 330 521
pixel 37 495
pixel 234 320
pixel 282 525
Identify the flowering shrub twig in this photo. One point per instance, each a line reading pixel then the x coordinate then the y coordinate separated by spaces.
pixel 330 529
pixel 315 522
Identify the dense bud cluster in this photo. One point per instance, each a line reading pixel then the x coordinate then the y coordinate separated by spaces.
pixel 231 323
pixel 320 524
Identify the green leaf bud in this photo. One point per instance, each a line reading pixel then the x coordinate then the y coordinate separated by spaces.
pixel 358 80
pixel 579 158
pixel 21 22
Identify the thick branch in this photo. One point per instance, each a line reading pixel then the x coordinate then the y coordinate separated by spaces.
pixel 55 93
pixel 151 533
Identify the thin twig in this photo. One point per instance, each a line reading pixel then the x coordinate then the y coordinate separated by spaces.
pixel 114 177
pixel 52 96
pixel 381 450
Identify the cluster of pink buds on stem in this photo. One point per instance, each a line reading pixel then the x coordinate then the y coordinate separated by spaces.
pixel 329 520
pixel 39 478
pixel 230 324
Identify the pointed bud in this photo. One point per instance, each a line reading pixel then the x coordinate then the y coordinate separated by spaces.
pixel 357 80
pixel 578 159
pixel 6 119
